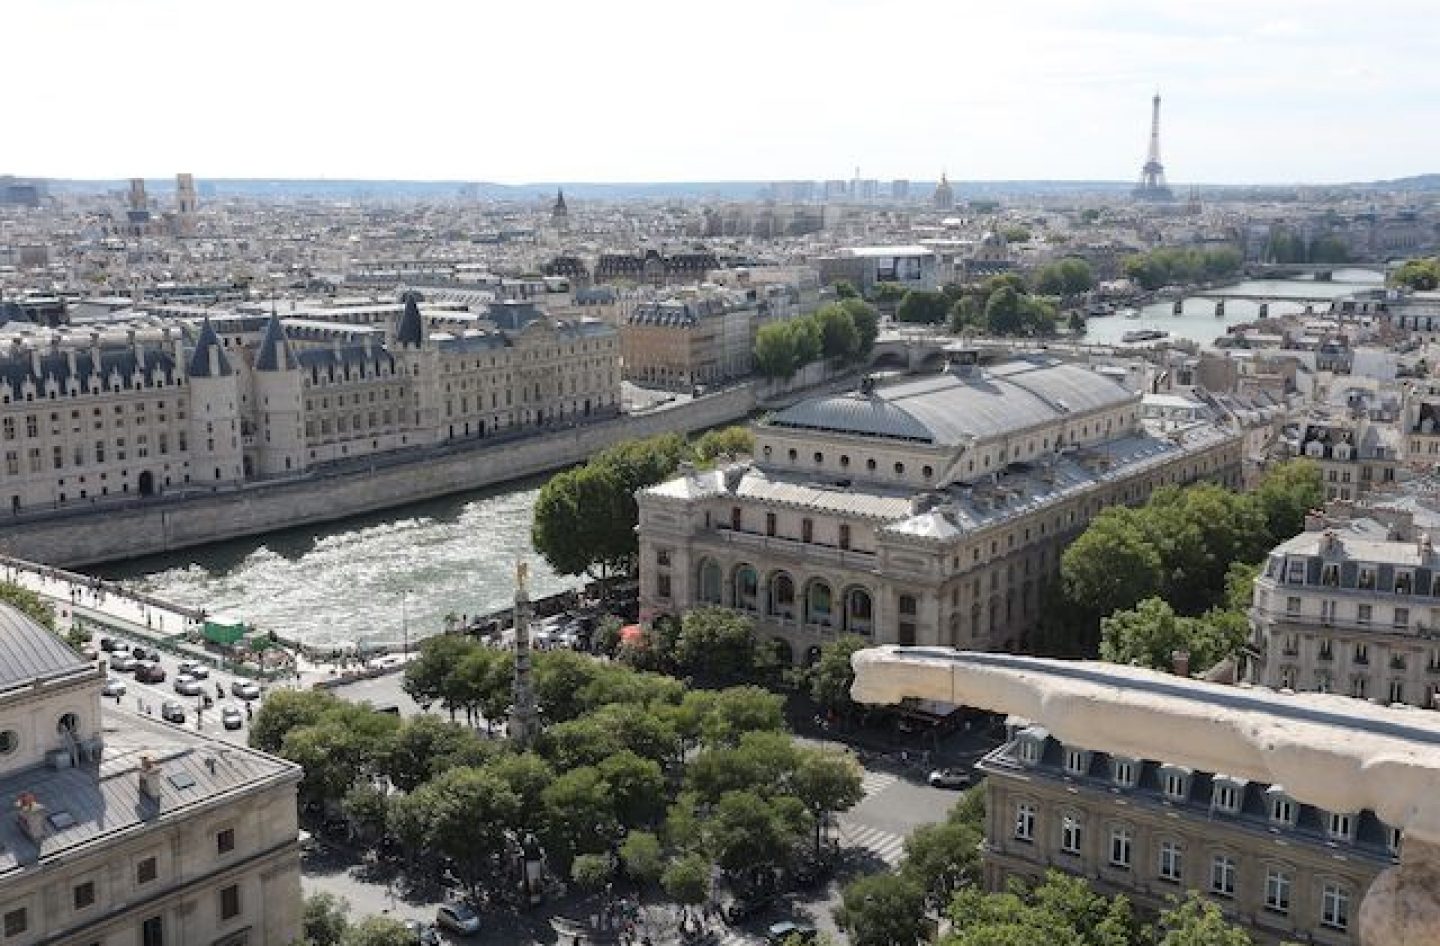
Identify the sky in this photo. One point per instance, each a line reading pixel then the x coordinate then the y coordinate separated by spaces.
pixel 516 91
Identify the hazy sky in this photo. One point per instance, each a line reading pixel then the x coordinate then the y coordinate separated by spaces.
pixel 542 90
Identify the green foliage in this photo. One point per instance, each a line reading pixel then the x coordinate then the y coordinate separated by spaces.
pixel 324 920
pixel 284 710
pixel 1066 277
pixel 736 441
pixel 424 746
pixel 1015 233
pixel 942 858
pixel 830 677
pixel 843 332
pixel 1179 266
pixel 579 815
pixel 637 787
pixel 1111 565
pixel 591 871
pixel 1150 634
pixel 1286 494
pixel 367 808
pixel 1001 305
pixel 883 910
pixel 826 781
pixel 1328 248
pixel 378 931
pixel 686 880
pixel 748 830
pixel 1196 921
pixel 641 857
pixel 1421 274
pixel 922 306
pixel 585 517
pixel 347 744
pixel 464 814
pixel 844 290
pixel 28 603
pixel 716 644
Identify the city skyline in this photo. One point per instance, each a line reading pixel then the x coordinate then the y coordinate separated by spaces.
pixel 1316 93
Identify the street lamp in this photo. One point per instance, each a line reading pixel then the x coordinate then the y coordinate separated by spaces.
pixel 405 622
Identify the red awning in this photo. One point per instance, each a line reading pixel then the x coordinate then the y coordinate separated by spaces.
pixel 631 634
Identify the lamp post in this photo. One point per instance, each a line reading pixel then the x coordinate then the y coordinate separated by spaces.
pixel 405 623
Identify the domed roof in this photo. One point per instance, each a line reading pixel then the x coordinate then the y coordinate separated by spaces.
pixel 28 652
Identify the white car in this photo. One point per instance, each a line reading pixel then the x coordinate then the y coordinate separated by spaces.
pixel 245 690
pixel 194 668
pixel 188 686
pixel 231 717
pixel 114 687
pixel 457 918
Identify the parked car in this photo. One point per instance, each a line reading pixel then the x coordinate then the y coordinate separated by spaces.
pixel 114 687
pixel 148 671
pixel 194 668
pixel 145 653
pixel 950 778
pixel 457 918
pixel 231 717
pixel 188 686
pixel 784 931
pixel 245 690
pixel 172 712
pixel 424 934
pixel 123 662
pixel 110 644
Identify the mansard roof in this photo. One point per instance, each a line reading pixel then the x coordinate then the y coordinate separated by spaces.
pixel 199 366
pixel 274 353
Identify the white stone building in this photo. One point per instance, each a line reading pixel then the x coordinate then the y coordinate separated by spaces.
pixel 932 511
pixel 124 831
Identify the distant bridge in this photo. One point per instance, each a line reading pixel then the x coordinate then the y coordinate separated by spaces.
pixel 924 349
pixel 1323 272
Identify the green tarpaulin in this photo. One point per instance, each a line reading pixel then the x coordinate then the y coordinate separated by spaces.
pixel 224 631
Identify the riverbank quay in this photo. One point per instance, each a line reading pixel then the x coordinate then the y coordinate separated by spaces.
pixel 82 536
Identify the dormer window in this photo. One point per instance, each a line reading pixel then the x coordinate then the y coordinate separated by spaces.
pixel 1340 826
pixel 1031 744
pixel 1283 809
pixel 1227 794
pixel 1295 574
pixel 1330 575
pixel 1367 579
pixel 1175 782
pixel 1125 773
pixel 1077 762
pixel 1404 582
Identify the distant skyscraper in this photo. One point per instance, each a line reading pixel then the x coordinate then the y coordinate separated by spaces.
pixel 900 191
pixel 944 196
pixel 137 194
pixel 1152 175
pixel 560 213
pixel 185 201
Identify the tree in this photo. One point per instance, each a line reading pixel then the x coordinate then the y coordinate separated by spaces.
pixel 763 762
pixel 831 676
pixel 826 782
pixel 1286 494
pixel 749 832
pixel 845 290
pixel 464 814
pixel 367 808
pixel 922 306
pixel 324 920
pixel 1196 921
pixel 284 710
pixel 591 871
pixel 1067 277
pixel 1149 636
pixel 1015 233
pixel 942 858
pixel 686 880
pixel 561 677
pixel 736 441
pixel 579 815
pixel 378 931
pixel 1419 274
pixel 775 355
pixel 637 787
pixel 716 644
pixel 425 746
pixel 867 324
pixel 427 675
pixel 839 338
pixel 882 910
pixel 1111 565
pixel 28 603
pixel 1011 312
pixel 526 775
pixel 348 744
pixel 743 709
pixel 641 857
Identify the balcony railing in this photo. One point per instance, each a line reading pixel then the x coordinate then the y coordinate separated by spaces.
pixel 811 551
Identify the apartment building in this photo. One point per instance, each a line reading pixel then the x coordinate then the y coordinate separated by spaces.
pixel 700 337
pixel 127 830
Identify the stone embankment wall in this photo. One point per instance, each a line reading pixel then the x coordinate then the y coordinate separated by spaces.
pixel 163 525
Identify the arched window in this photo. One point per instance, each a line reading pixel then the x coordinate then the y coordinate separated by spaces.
pixel 783 595
pixel 818 603
pixel 747 588
pixel 859 611
pixel 68 724
pixel 710 582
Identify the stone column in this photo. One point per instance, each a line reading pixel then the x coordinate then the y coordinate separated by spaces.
pixel 1402 907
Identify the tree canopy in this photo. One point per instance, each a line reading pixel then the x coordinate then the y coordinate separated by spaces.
pixel 28 603
pixel 842 332
pixel 1182 265
pixel 1422 274
pixel 1001 305
pixel 1066 277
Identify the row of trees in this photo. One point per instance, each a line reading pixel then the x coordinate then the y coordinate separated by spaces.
pixel 1168 266
pixel 1002 305
pixel 1066 277
pixel 841 332
pixel 326 922
pixel 585 517
pixel 1286 246
pixel 633 772
pixel 1187 548
pixel 1421 274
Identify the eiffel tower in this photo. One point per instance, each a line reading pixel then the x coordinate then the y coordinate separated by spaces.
pixel 1152 184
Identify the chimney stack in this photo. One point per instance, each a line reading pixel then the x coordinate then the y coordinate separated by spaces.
pixel 150 773
pixel 31 815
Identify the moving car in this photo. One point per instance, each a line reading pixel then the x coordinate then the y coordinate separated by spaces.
pixel 457 918
pixel 123 661
pixel 148 671
pixel 231 717
pixel 114 687
pixel 172 712
pixel 142 653
pixel 245 690
pixel 188 686
pixel 950 778
pixel 110 644
pixel 423 934
pixel 194 668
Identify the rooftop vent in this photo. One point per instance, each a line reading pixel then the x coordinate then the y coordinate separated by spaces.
pixel 31 816
pixel 150 775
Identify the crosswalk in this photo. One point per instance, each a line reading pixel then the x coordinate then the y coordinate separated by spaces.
pixel 873 783
pixel 888 847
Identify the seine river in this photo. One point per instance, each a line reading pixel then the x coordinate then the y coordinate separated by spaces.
pixel 1199 322
pixel 365 579
pixel 368 579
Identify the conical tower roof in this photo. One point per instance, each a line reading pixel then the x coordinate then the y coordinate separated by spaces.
pixel 275 353
pixel 410 330
pixel 208 359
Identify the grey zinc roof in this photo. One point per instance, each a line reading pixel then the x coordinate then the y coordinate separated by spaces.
pixel 275 353
pixel 105 799
pixel 947 410
pixel 28 652
pixel 200 358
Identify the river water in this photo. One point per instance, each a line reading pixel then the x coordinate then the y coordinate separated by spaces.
pixel 1199 322
pixel 368 579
